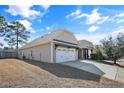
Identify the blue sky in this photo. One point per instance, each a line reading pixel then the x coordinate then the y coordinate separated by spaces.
pixel 91 22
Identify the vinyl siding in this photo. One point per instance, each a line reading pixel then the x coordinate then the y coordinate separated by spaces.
pixel 39 53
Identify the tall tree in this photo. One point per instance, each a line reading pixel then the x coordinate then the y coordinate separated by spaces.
pixel 3 26
pixel 1 44
pixel 17 34
pixel 120 43
pixel 10 41
pixel 112 47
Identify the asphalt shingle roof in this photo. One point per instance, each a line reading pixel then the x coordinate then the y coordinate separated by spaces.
pixel 85 44
pixel 53 35
pixel 45 39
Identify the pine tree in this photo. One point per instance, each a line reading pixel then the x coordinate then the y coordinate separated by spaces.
pixel 3 26
pixel 16 35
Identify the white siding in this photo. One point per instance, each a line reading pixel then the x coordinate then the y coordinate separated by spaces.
pixel 39 53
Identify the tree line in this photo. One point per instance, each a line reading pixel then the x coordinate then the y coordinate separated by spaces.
pixel 110 48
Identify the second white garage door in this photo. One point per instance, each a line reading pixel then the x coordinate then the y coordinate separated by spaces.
pixel 64 54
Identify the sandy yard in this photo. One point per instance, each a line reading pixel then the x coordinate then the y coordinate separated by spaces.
pixel 18 73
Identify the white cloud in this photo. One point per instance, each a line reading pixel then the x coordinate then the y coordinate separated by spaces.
pixel 93 28
pixel 51 27
pixel 118 30
pixel 95 38
pixel 118 18
pixel 93 17
pixel 24 11
pixel 121 15
pixel 75 13
pixel 45 6
pixel 103 19
pixel 33 31
pixel 28 25
pixel 49 32
pixel 81 15
pixel 48 28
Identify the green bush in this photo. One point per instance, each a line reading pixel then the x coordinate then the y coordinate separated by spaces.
pixel 97 56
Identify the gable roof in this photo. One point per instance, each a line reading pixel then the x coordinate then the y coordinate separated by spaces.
pixel 46 38
pixel 85 44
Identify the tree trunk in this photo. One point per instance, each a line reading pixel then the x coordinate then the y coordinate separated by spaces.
pixel 115 61
pixel 17 43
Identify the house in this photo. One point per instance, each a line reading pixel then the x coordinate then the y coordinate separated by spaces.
pixel 58 46
pixel 55 47
pixel 86 49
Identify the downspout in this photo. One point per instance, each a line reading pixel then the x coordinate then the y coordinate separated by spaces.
pixel 52 52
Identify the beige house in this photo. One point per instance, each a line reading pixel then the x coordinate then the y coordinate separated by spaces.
pixel 55 47
pixel 58 46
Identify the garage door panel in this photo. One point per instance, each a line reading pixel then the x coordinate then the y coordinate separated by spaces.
pixel 65 54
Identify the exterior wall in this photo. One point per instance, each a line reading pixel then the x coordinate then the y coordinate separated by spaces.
pixel 82 54
pixel 54 53
pixel 76 54
pixel 39 53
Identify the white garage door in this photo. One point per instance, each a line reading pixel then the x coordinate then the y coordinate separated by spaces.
pixel 65 54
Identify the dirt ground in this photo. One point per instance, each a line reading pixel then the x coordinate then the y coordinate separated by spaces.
pixel 18 73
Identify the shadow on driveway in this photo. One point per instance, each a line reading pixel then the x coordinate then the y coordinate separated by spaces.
pixel 64 71
pixel 85 66
pixel 119 65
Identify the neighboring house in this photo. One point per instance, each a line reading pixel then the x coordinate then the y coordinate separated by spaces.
pixel 55 47
pixel 86 49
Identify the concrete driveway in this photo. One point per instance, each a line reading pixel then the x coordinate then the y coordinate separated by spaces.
pixel 100 68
